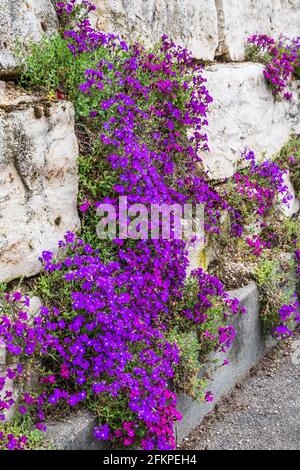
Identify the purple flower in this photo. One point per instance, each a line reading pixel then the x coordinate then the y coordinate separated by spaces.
pixel 102 432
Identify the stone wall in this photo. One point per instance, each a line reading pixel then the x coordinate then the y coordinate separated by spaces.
pixel 244 113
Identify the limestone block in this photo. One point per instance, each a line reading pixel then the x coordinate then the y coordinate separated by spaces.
pixel 246 351
pixel 238 20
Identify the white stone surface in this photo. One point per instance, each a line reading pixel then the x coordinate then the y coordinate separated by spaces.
pixel 285 18
pixel 240 19
pixel 22 21
pixel 191 23
pixel 245 114
pixel 38 179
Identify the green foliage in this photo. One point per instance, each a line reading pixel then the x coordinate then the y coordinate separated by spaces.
pixel 267 272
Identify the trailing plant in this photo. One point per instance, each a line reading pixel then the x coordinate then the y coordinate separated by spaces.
pixel 19 434
pixel 120 319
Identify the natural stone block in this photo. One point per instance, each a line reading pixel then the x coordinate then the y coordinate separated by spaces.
pixel 38 179
pixel 22 22
pixel 190 23
pixel 246 351
pixel 74 433
pixel 245 114
pixel 238 20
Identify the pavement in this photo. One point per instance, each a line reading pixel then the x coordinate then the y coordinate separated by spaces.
pixel 263 413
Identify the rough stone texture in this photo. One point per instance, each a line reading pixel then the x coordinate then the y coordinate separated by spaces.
pixel 74 433
pixel 240 19
pixel 38 179
pixel 9 384
pixel 245 114
pixel 247 350
pixel 191 23
pixel 2 356
pixel 21 22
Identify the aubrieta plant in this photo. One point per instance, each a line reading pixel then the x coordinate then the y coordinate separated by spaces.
pixel 105 348
pixel 281 59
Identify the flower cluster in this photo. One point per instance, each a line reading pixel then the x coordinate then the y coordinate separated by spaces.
pixel 109 345
pixel 10 442
pixel 112 347
pixel 282 59
pixel 210 289
pixel 252 195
